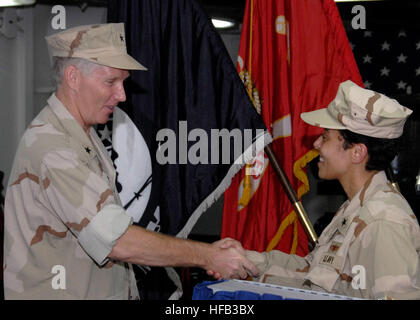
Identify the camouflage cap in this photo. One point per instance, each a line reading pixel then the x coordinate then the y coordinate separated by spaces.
pixel 362 111
pixel 103 44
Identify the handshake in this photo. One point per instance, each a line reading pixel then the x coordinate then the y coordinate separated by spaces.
pixel 228 261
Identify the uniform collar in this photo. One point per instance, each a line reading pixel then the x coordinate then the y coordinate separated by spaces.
pixel 349 208
pixel 361 197
pixel 69 123
pixel 368 189
pixel 92 146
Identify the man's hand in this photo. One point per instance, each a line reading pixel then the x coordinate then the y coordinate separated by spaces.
pixel 230 243
pixel 230 261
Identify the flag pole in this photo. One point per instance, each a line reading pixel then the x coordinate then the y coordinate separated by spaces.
pixel 291 194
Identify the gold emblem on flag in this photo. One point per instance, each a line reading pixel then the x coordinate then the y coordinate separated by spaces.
pixel 254 95
pixel 281 25
pixel 251 89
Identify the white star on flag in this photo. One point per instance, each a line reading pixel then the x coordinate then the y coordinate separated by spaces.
pixel 367 59
pixel 367 84
pixel 401 58
pixel 401 85
pixel 418 45
pixel 385 71
pixel 418 71
pixel 367 34
pixel 385 46
pixel 402 34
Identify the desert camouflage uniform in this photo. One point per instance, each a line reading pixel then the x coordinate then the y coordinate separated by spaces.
pixel 62 209
pixel 376 230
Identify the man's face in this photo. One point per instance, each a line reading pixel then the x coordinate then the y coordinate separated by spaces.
pixel 334 161
pixel 99 93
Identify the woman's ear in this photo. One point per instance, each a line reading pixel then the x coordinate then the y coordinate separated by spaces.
pixel 359 153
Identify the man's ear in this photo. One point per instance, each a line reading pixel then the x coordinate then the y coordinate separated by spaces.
pixel 359 153
pixel 72 76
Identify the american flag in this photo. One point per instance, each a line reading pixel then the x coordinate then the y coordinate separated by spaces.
pixel 388 60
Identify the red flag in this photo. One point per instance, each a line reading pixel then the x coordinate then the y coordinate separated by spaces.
pixel 292 57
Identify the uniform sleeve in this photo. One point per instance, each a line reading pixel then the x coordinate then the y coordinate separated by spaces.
pixel 388 256
pixel 84 202
pixel 278 267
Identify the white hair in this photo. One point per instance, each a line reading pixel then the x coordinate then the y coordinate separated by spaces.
pixel 61 63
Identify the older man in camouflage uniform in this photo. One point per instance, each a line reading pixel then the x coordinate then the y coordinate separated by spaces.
pixel 371 247
pixel 66 233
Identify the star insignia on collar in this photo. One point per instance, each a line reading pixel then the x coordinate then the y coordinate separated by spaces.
pixel 344 222
pixel 122 38
pixel 88 150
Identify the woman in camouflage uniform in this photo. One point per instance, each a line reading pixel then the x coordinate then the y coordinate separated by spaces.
pixel 371 247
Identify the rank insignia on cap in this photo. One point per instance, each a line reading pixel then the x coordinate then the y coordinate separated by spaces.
pixel 103 44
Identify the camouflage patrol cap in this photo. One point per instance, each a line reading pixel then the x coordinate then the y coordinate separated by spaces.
pixel 362 111
pixel 103 44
